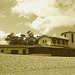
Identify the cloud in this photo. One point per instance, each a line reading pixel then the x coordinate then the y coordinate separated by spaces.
pixel 19 24
pixel 5 5
pixel 36 35
pixel 51 13
pixel 2 37
pixel 19 34
pixel 44 25
pixel 66 7
pixel 39 7
pixel 3 34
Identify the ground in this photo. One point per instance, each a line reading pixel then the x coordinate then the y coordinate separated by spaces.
pixel 36 65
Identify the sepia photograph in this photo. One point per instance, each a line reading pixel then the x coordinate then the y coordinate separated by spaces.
pixel 37 37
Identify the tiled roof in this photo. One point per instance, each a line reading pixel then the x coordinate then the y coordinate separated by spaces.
pixel 18 46
pixel 5 46
pixel 57 37
pixel 68 32
pixel 31 46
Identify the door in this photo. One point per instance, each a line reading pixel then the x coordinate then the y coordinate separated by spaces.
pixel 24 52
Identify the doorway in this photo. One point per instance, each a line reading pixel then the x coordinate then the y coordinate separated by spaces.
pixel 24 52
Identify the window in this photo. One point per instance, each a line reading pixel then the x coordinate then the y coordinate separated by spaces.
pixel 54 41
pixel 63 42
pixel 44 41
pixel 65 35
pixel 58 41
pixel 72 38
pixel 2 51
pixel 66 42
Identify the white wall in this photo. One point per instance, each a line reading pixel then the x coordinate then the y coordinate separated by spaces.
pixel 49 42
pixel 44 38
pixel 70 44
pixel 7 50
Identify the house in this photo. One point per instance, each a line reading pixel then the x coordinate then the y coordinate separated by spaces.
pixel 67 39
pixel 52 45
pixel 53 41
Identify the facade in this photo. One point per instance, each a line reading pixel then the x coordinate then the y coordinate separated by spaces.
pixel 12 49
pixel 53 41
pixel 52 45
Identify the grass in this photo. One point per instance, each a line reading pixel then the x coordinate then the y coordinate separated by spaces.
pixel 36 65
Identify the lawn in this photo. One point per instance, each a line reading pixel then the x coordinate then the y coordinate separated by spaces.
pixel 36 65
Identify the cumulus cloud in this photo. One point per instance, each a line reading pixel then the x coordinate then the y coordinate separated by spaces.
pixel 66 7
pixel 51 13
pixel 3 35
pixel 44 25
pixel 39 7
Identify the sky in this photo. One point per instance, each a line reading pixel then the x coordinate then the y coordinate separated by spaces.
pixel 51 17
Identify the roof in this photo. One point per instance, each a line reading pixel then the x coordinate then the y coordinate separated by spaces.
pixel 19 46
pixel 48 46
pixel 11 46
pixel 32 46
pixel 22 46
pixel 56 37
pixel 67 32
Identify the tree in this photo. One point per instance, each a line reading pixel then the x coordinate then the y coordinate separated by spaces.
pixel 9 38
pixel 30 34
pixel 23 40
pixel 31 40
pixel 13 40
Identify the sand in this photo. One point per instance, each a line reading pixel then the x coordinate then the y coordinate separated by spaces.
pixel 36 65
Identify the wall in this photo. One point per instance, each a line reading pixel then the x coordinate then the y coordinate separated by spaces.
pixel 50 42
pixel 70 44
pixel 8 50
pixel 43 50
pixel 44 38
pixel 67 52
